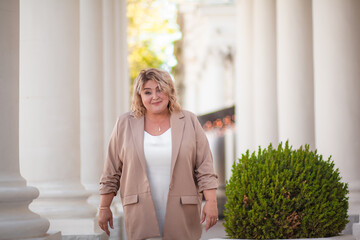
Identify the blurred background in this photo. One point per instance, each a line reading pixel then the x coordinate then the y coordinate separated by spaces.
pixel 254 71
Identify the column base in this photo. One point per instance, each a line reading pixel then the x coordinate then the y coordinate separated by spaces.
pixel 353 218
pixel 356 230
pixel 48 236
pixel 354 197
pixel 119 229
pixel 73 227
pixel 94 236
pixel 16 221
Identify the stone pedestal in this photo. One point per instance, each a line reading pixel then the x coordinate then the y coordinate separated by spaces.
pixel 119 228
pixel 356 230
pixel 48 236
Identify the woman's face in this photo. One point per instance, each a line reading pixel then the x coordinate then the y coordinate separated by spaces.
pixel 154 100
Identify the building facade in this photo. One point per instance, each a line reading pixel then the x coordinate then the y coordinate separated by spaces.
pixel 294 74
pixel 291 68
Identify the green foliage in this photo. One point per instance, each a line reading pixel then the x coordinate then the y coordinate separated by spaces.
pixel 285 193
pixel 149 35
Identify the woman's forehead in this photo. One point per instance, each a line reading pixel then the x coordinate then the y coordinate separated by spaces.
pixel 150 84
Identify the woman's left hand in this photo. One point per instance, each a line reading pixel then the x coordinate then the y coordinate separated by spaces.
pixel 210 213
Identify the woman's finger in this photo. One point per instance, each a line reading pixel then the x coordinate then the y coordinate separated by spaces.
pixel 208 223
pixel 203 216
pixel 106 229
pixel 111 223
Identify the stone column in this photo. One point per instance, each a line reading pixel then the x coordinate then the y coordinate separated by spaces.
pixel 295 85
pixel 91 97
pixel 230 158
pixel 121 59
pixel 211 96
pixel 264 73
pixel 109 70
pixel 50 114
pixel 116 85
pixel 337 88
pixel 16 220
pixel 244 77
pixel 116 72
pixel 217 147
pixel 189 56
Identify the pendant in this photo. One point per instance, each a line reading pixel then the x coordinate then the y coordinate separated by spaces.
pixel 159 129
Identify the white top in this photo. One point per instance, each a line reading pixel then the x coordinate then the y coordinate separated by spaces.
pixel 157 150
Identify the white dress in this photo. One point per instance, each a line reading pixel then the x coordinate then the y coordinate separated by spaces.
pixel 157 150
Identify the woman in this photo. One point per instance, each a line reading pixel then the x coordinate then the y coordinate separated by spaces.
pixel 160 159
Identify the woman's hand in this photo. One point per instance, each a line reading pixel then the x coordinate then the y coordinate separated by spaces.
pixel 210 211
pixel 105 217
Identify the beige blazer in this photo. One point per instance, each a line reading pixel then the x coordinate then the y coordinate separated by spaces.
pixel 191 173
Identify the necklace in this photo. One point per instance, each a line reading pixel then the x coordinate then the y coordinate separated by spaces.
pixel 158 127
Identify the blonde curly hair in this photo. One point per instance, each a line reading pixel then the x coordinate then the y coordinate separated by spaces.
pixel 165 83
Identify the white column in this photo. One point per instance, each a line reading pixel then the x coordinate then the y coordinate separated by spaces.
pixel 229 148
pixel 121 59
pixel 116 72
pixel 110 105
pixel 264 74
pixel 116 85
pixel 217 147
pixel 244 77
pixel 91 97
pixel 337 88
pixel 295 72
pixel 16 220
pixel 188 19
pixel 212 95
pixel 50 113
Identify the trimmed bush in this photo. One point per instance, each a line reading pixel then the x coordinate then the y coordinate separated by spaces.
pixel 284 193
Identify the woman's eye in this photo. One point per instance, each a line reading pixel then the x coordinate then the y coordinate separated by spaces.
pixel 147 93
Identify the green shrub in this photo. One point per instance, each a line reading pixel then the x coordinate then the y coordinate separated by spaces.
pixel 284 193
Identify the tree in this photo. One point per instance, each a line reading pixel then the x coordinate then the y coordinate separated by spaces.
pixel 149 34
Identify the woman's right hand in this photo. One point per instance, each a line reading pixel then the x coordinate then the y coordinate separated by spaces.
pixel 105 219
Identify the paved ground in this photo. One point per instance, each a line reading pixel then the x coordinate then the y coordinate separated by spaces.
pixel 216 231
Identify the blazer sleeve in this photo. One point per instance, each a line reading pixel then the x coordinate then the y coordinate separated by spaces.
pixel 110 179
pixel 204 168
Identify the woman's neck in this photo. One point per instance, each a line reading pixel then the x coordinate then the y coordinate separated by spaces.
pixel 157 117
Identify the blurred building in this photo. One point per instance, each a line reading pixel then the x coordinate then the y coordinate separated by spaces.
pixel 291 68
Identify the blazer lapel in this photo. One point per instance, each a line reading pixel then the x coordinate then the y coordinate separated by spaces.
pixel 137 130
pixel 177 129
